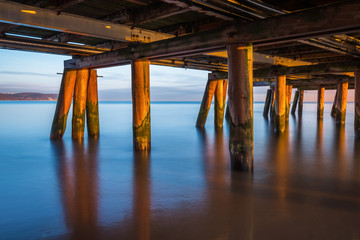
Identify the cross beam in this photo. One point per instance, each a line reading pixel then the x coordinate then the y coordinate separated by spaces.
pixel 65 22
pixel 331 19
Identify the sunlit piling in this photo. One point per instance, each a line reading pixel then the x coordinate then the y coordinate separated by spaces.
pixel 79 103
pixel 140 85
pixel 295 102
pixel 341 103
pixel 63 104
pixel 220 100
pixel 241 143
pixel 92 107
pixel 206 103
pixel 320 102
pixel 280 103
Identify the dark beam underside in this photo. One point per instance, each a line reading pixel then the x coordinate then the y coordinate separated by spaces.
pixel 332 19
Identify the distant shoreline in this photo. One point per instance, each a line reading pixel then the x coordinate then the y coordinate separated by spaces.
pixel 28 96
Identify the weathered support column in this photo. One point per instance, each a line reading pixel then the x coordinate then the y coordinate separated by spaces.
pixel 63 104
pixel 92 108
pixel 272 107
pixel 280 103
pixel 334 106
pixel 241 143
pixel 301 103
pixel 206 103
pixel 357 105
pixel 140 86
pixel 295 102
pixel 79 103
pixel 227 112
pixel 341 103
pixel 320 103
pixel 267 103
pixel 288 100
pixel 220 100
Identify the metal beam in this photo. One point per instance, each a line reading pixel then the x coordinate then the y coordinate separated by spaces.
pixel 330 19
pixel 44 18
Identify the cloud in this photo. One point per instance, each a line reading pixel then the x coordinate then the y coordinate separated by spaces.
pixel 29 74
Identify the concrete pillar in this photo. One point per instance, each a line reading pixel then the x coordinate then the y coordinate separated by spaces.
pixel 267 103
pixel 92 107
pixel 241 143
pixel 334 106
pixel 79 104
pixel 357 105
pixel 295 102
pixel 288 100
pixel 320 102
pixel 63 104
pixel 341 103
pixel 206 103
pixel 220 100
pixel 280 103
pixel 301 103
pixel 140 86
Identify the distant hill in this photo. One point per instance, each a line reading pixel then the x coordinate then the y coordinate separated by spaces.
pixel 28 96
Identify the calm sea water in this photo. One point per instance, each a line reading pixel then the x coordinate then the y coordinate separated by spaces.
pixel 306 183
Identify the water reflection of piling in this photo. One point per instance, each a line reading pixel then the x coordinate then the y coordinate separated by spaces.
pixel 79 188
pixel 141 195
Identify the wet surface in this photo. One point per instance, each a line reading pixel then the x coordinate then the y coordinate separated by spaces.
pixel 305 185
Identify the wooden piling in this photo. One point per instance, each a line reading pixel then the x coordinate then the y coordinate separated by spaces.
pixel 92 107
pixel 79 104
pixel 63 104
pixel 227 112
pixel 295 102
pixel 334 106
pixel 267 103
pixel 301 103
pixel 280 103
pixel 241 144
pixel 220 100
pixel 288 101
pixel 140 86
pixel 341 103
pixel 206 103
pixel 357 105
pixel 320 103
pixel 272 107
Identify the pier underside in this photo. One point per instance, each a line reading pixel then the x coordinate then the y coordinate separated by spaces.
pixel 298 45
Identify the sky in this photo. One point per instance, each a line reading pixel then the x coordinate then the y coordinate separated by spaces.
pixel 22 71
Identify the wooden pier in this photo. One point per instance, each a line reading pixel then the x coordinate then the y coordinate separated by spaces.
pixel 243 44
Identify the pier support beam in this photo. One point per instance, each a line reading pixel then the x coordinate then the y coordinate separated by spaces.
pixel 288 100
pixel 357 105
pixel 79 104
pixel 295 102
pixel 140 86
pixel 63 104
pixel 320 103
pixel 280 103
pixel 301 103
pixel 267 103
pixel 241 143
pixel 220 100
pixel 334 106
pixel 206 103
pixel 272 106
pixel 92 107
pixel 341 103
